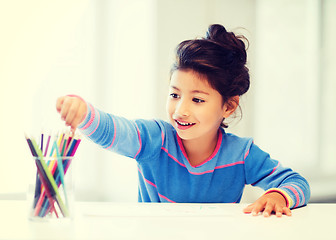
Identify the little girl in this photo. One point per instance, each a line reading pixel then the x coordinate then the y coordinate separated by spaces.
pixel 192 158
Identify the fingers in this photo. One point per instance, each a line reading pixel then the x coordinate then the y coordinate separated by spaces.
pixel 69 111
pixel 287 211
pixel 279 211
pixel 59 103
pixel 267 208
pixel 258 207
pixel 254 208
pixel 77 114
pixel 248 209
pixel 72 110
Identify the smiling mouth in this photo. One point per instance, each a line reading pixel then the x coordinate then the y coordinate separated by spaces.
pixel 184 124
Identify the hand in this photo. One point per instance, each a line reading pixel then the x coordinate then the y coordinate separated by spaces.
pixel 72 109
pixel 268 203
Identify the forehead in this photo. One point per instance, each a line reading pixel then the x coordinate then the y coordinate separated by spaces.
pixel 190 80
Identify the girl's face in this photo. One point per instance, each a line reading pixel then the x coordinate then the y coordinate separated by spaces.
pixel 195 109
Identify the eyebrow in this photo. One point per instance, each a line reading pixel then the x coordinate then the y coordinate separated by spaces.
pixel 194 91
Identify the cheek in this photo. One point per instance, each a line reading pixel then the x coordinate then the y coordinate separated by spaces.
pixel 211 115
pixel 169 107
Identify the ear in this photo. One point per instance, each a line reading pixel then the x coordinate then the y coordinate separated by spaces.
pixel 230 106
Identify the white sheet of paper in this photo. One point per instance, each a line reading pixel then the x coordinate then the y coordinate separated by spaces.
pixel 157 210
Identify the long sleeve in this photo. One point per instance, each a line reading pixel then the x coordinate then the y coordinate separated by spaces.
pixel 263 171
pixel 134 139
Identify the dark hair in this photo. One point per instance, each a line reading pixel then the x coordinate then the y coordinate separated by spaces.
pixel 220 57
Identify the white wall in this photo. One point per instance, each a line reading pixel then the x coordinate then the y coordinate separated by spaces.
pixel 328 86
pixel 286 78
pixel 46 50
pixel 293 88
pixel 126 34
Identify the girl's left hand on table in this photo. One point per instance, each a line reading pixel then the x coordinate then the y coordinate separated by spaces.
pixel 268 203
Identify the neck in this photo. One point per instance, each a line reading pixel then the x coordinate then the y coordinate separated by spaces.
pixel 199 150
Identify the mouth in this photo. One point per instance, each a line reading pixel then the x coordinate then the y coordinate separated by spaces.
pixel 183 125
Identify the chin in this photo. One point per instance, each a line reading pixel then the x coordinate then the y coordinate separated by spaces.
pixel 184 135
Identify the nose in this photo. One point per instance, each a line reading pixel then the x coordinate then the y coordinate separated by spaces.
pixel 182 108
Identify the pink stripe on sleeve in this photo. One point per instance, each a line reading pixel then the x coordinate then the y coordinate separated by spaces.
pixel 93 113
pixel 248 151
pixel 74 95
pixel 302 194
pixel 114 133
pixel 274 169
pixel 138 131
pixel 253 184
pixel 295 193
pixel 246 154
pixel 162 137
pixel 96 126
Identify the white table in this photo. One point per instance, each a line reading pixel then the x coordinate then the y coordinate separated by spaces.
pixel 101 220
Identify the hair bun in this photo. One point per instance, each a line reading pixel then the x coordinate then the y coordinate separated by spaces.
pixel 216 33
pixel 232 44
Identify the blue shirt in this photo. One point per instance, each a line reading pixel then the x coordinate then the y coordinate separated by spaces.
pixel 165 174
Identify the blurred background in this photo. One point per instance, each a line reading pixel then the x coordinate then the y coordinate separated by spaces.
pixel 117 55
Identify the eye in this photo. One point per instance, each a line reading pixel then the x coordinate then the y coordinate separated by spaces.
pixel 174 95
pixel 197 100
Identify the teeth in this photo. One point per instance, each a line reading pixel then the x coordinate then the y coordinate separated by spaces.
pixel 184 124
